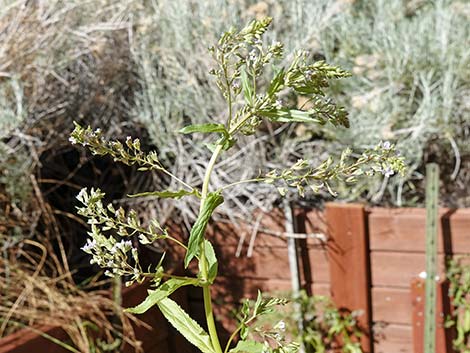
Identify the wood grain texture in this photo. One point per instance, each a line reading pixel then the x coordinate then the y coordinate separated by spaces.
pixel 404 230
pixel 398 269
pixel 393 338
pixel 348 253
pixel 391 305
pixel 444 336
pixel 269 263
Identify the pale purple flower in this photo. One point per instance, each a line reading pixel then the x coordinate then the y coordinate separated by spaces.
pixel 308 74
pixel 387 171
pixel 90 244
pixel 386 145
pixel 252 55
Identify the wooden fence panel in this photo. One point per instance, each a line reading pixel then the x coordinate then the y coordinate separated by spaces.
pixel 370 259
pixel 443 336
pixel 393 338
pixel 397 269
pixel 403 229
pixel 391 305
pixel 348 252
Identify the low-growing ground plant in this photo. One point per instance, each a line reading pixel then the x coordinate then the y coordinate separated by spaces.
pixel 458 275
pixel 241 57
pixel 324 328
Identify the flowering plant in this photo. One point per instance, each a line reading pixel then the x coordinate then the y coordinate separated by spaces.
pixel 241 56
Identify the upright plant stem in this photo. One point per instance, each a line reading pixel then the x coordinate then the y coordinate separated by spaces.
pixel 206 287
pixel 432 195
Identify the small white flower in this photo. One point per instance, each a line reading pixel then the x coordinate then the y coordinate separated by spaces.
pixel 81 195
pixel 386 145
pixel 308 74
pixel 387 171
pixel 278 103
pixel 236 85
pixel 281 325
pixel 98 131
pixel 90 244
pixel 73 140
pixel 252 55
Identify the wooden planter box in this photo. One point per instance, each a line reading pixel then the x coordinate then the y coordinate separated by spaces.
pixel 159 339
pixel 369 262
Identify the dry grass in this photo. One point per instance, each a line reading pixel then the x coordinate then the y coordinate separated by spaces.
pixel 33 298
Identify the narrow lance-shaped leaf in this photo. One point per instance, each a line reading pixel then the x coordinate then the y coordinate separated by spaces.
pixel 285 115
pixel 248 347
pixel 182 322
pixel 246 86
pixel 277 82
pixel 196 235
pixel 205 128
pixel 212 263
pixel 155 296
pixel 167 194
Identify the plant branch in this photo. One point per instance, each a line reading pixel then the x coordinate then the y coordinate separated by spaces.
pixel 204 271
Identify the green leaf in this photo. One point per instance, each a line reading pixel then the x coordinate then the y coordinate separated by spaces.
pixel 307 90
pixel 182 322
pixel 211 261
pixel 246 86
pixel 204 128
pixel 167 194
pixel 276 83
pixel 155 296
pixel 196 235
pixel 248 347
pixel 285 115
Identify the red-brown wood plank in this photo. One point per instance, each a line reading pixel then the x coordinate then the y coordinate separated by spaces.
pixel 391 305
pixel 404 229
pixel 154 336
pixel 233 289
pixel 443 336
pixel 398 269
pixel 321 289
pixel 393 338
pixel 270 231
pixel 268 263
pixel 349 264
pixel 229 234
pixel 27 341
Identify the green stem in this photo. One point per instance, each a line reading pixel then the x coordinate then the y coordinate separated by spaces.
pixel 206 288
pixel 254 180
pixel 234 334
pixel 168 275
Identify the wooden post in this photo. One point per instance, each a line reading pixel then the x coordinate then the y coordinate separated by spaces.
pixel 443 336
pixel 348 254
